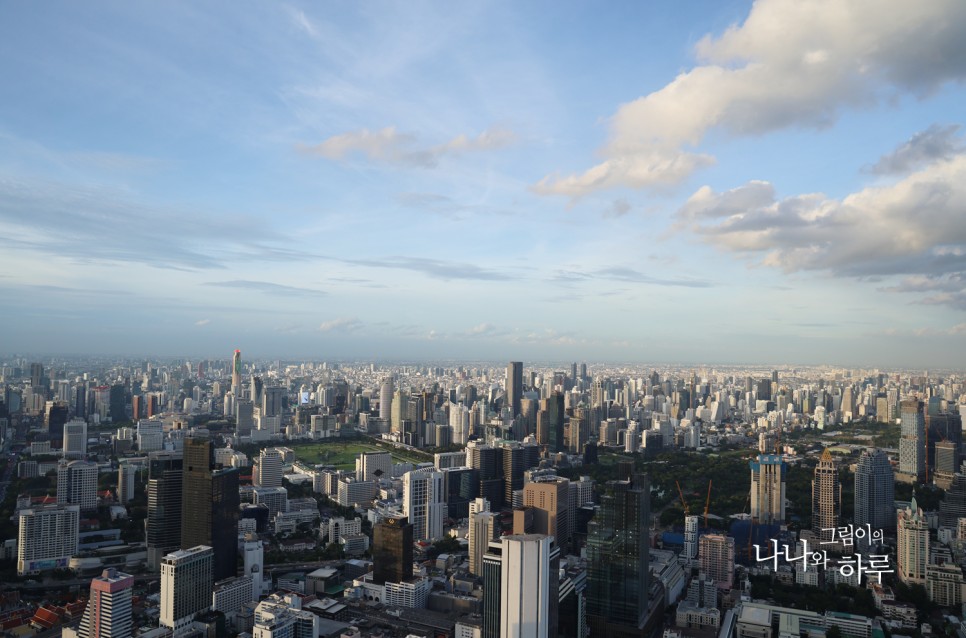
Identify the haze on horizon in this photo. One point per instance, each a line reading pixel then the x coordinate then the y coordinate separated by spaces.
pixel 719 182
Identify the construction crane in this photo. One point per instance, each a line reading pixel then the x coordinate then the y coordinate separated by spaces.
pixel 684 503
pixel 707 504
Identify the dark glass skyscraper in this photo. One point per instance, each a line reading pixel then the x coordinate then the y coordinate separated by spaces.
pixel 617 552
pixel 556 416
pixel 392 551
pixel 209 506
pixel 55 416
pixel 514 386
pixel 165 474
pixel 875 491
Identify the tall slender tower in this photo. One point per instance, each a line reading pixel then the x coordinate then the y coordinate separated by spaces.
pixel 826 498
pixel 236 374
pixel 526 587
pixel 514 386
pixel 874 491
pixel 912 550
pixel 912 445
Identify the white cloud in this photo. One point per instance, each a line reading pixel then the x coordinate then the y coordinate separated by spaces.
pixel 392 147
pixel 342 324
pixel 203 322
pixel 912 228
pixel 935 143
pixel 791 63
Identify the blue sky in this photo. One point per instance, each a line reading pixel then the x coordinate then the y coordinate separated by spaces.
pixel 720 182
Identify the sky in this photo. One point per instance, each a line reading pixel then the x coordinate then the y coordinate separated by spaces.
pixel 773 181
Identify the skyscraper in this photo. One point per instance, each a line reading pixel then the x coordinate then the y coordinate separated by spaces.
pixel 617 552
pixel 55 417
pixel 912 444
pixel 108 612
pixel 392 551
pixel 165 479
pixel 385 398
pixel 514 386
pixel 269 470
pixel 874 491
pixel 550 500
pixel 826 498
pixel 716 555
pixel 483 529
pixel 768 489
pixel 47 537
pixel 528 581
pixel 186 580
pixel 424 502
pixel 209 505
pixel 77 485
pixel 912 550
pixel 236 388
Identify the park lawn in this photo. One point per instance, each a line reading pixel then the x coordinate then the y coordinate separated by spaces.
pixel 341 455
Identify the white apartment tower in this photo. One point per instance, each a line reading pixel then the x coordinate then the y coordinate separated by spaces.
pixel 423 502
pixel 269 470
pixel 47 537
pixel 912 551
pixel 187 577
pixel 77 485
pixel 525 586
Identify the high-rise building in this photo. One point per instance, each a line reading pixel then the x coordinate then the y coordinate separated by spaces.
pixel 690 537
pixel 874 491
pixel 826 498
pixel 253 559
pixel 550 500
pixel 528 581
pixel 768 489
pixel 108 612
pixel 47 537
pixel 372 466
pixel 716 556
pixel 617 552
pixel 75 439
pixel 209 505
pixel 392 551
pixel 55 418
pixel 268 472
pixel 556 417
pixel 912 549
pixel 514 386
pixel 77 485
pixel 424 502
pixel 483 529
pixel 385 398
pixel 186 583
pixel 912 444
pixel 163 526
pixel 236 387
pixel 126 474
pixel 942 428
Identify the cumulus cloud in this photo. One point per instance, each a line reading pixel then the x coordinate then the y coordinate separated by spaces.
pixel 790 63
pixel 935 143
pixel 912 229
pixel 403 149
pixel 342 324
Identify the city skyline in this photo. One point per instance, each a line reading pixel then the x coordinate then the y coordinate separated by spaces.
pixel 739 182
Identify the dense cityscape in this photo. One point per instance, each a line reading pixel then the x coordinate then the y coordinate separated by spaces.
pixel 488 319
pixel 314 499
